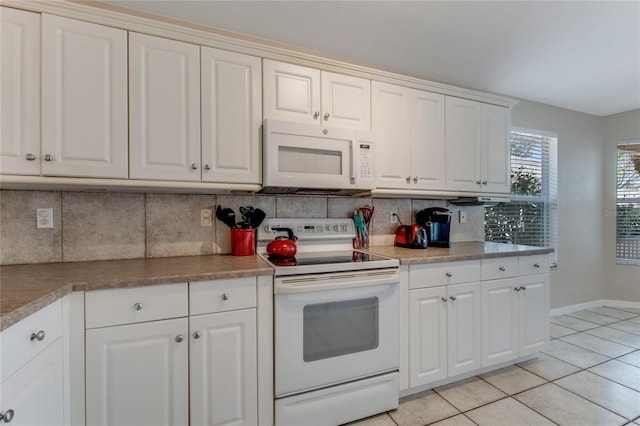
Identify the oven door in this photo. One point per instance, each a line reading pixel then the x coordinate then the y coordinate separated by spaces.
pixel 334 328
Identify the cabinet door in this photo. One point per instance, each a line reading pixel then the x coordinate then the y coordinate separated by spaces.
pixel 496 155
pixel 391 123
pixel 231 117
pixel 84 99
pixel 346 101
pixel 223 365
pixel 534 313
pixel 35 392
pixel 427 141
pixel 164 93
pixel 463 135
pixel 428 335
pixel 138 374
pixel 291 92
pixel 464 329
pixel 20 94
pixel 499 321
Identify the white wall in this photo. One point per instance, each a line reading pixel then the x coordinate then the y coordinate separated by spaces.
pixel 622 282
pixel 580 274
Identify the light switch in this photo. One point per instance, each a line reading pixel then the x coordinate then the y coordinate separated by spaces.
pixel 44 218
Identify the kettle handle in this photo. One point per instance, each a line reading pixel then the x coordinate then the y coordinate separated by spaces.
pixel 289 232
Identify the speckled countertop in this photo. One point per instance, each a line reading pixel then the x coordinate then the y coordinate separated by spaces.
pixel 25 289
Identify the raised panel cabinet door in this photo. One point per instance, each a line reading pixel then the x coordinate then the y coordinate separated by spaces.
pixel 464 328
pixel 427 141
pixel 346 101
pixel 137 374
pixel 463 136
pixel 231 116
pixel 35 392
pixel 428 335
pixel 223 369
pixel 496 155
pixel 291 92
pixel 20 94
pixel 164 95
pixel 534 313
pixel 390 115
pixel 84 99
pixel 499 321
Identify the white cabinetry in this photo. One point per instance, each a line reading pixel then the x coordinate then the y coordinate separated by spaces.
pixel 231 116
pixel 477 147
pixel 307 95
pixel 409 129
pixel 20 94
pixel 84 99
pixel 32 370
pixel 164 93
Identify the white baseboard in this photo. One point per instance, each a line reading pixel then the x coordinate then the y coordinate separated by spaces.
pixel 594 304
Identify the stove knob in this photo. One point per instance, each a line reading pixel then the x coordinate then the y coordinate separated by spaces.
pixel 345 228
pixel 328 227
pixel 336 228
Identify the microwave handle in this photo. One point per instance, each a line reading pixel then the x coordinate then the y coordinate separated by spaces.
pixel 354 162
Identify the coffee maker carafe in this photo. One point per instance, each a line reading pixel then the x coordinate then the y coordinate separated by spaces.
pixel 437 221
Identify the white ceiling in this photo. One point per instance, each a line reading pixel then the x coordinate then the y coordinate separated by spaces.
pixel 580 55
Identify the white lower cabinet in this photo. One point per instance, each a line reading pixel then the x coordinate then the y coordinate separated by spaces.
pixel 533 314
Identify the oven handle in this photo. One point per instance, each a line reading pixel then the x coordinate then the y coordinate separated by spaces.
pixel 289 286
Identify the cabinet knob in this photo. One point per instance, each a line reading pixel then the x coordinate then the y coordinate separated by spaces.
pixel 479 182
pixel 484 182
pixel 30 157
pixel 326 117
pixel 502 269
pixel 516 288
pixel 522 288
pixel 444 299
pixel 448 274
pixel 179 338
pixel 137 306
pixel 7 416
pixel 408 179
pixel 536 265
pixel 196 334
pixel 453 298
pixel 225 296
pixel 194 166
pixel 48 157
pixel 39 336
pixel 415 179
pixel 316 115
pixel 207 167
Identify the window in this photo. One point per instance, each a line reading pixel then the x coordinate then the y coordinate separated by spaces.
pixel 628 202
pixel 531 218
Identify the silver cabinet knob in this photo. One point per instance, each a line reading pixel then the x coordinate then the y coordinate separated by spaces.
pixel 194 166
pixel 179 338
pixel 196 334
pixel 39 336
pixel 522 287
pixel 48 157
pixel 316 115
pixel 415 179
pixel 30 157
pixel 484 182
pixel 137 306
pixel 207 167
pixel 516 288
pixel 453 298
pixel 502 269
pixel 448 274
pixel 408 179
pixel 7 416
pixel 225 296
pixel 479 182
pixel 536 265
pixel 444 299
pixel 326 117
pixel 325 131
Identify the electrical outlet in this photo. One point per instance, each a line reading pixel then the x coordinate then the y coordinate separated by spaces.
pixel 394 217
pixel 206 217
pixel 44 218
pixel 463 216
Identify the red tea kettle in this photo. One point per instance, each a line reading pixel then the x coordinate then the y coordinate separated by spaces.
pixel 283 246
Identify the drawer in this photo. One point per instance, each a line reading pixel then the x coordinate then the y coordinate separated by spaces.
pixel 21 342
pixel 536 264
pixel 222 295
pixel 436 274
pixel 501 267
pixel 105 308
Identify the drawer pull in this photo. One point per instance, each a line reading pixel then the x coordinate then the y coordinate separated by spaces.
pixel 225 296
pixel 444 299
pixel 137 306
pixel 502 269
pixel 196 334
pixel 536 265
pixel 179 338
pixel 522 287
pixel 7 416
pixel 516 288
pixel 449 274
pixel 453 298
pixel 39 336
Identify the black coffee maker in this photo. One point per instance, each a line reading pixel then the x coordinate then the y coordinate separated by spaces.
pixel 437 221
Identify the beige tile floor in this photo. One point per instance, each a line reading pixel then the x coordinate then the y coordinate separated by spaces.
pixel 589 375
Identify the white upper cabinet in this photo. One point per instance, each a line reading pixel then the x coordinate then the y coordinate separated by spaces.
pixel 84 99
pixel 409 129
pixel 20 94
pixel 164 96
pixel 307 95
pixel 477 146
pixel 231 116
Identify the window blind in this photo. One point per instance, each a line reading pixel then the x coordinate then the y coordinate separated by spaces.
pixel 628 202
pixel 531 218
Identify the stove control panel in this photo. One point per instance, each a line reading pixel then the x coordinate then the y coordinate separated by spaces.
pixel 311 229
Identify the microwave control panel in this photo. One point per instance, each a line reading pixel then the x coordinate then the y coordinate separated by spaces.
pixel 365 155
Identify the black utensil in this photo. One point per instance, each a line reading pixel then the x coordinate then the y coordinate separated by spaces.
pixel 246 213
pixel 226 216
pixel 257 217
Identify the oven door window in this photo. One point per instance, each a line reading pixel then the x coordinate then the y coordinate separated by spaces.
pixel 334 329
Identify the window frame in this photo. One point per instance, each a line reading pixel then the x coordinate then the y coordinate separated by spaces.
pixel 634 201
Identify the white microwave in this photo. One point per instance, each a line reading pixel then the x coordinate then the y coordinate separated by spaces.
pixel 307 158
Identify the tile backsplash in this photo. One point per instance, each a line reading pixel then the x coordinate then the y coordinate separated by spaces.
pixel 113 225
